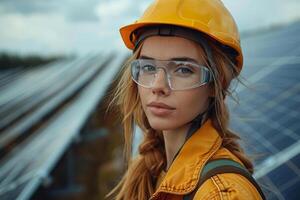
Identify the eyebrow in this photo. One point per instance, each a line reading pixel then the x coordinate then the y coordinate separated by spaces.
pixel 174 59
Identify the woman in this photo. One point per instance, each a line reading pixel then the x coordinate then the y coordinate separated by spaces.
pixel 185 54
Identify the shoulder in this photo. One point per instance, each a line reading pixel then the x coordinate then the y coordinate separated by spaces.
pixel 227 186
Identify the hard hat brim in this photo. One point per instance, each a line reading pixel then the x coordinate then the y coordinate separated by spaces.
pixel 126 32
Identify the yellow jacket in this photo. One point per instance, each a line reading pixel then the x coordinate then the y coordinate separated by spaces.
pixel 182 176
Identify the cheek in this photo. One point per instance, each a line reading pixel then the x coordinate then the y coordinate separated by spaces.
pixel 143 93
pixel 191 104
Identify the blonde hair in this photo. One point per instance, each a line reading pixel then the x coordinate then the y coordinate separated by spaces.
pixel 141 175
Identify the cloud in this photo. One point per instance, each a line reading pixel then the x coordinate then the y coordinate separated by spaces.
pixel 28 7
pixel 250 14
pixel 52 28
pixel 115 14
pixel 81 26
pixel 73 10
pixel 80 10
pixel 31 33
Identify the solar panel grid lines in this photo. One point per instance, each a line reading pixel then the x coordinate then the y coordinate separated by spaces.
pixel 283 95
pixel 61 90
pixel 7 76
pixel 256 62
pixel 284 181
pixel 271 191
pixel 265 70
pixel 280 179
pixel 268 114
pixel 9 167
pixel 56 134
pixel 278 159
pixel 293 181
pixel 295 127
pixel 275 125
pixel 21 181
pixel 266 107
pixel 38 75
pixel 268 45
pixel 25 99
pixel 292 192
pixel 12 194
pixel 39 78
pixel 83 76
pixel 259 139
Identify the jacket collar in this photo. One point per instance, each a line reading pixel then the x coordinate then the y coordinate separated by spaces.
pixel 183 175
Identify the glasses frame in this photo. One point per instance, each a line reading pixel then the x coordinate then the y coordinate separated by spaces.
pixel 205 69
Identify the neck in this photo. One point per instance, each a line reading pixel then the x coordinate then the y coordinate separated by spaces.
pixel 174 139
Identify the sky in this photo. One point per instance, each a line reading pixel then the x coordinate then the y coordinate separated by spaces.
pixel 64 27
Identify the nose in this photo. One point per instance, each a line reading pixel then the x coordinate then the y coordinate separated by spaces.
pixel 160 84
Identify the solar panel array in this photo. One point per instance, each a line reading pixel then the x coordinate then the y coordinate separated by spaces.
pixel 60 96
pixel 267 116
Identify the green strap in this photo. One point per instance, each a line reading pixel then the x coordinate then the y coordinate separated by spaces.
pixel 217 163
pixel 220 166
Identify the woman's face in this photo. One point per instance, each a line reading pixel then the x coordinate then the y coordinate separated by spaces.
pixel 183 105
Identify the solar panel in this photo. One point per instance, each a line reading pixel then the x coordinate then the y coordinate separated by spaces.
pixel 268 115
pixel 27 165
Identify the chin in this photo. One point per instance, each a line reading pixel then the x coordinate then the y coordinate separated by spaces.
pixel 161 124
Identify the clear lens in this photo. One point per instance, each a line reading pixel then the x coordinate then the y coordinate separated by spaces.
pixel 181 75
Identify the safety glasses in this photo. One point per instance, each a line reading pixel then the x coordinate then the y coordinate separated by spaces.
pixel 179 75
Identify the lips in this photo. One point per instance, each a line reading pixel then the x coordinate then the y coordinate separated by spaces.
pixel 160 109
pixel 160 105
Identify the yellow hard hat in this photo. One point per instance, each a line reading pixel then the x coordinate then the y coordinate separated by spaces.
pixel 206 16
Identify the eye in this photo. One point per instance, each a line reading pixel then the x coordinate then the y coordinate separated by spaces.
pixel 184 70
pixel 148 68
